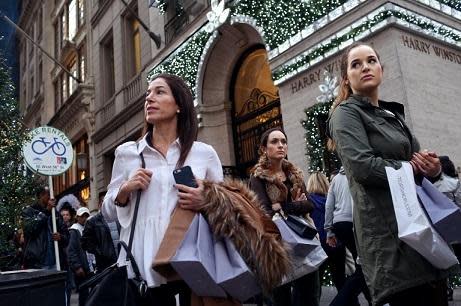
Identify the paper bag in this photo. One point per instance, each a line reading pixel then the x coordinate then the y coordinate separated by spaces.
pixel 305 265
pixel 413 225
pixel 194 260
pixel 444 214
pixel 232 273
pixel 300 246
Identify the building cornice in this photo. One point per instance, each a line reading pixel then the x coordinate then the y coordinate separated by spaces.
pixel 73 105
pixel 118 120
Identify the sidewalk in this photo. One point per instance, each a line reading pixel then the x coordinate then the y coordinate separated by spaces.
pixel 328 293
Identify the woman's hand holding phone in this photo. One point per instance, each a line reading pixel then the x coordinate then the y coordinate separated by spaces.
pixel 190 189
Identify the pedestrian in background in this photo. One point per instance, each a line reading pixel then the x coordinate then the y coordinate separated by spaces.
pixel 450 185
pixel 38 233
pixel 279 185
pixel 78 258
pixel 340 235
pixel 317 189
pixel 370 134
pixel 97 240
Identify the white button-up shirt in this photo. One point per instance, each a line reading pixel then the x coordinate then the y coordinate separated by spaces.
pixel 157 201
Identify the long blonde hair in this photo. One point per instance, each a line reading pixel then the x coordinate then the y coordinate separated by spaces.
pixel 344 88
pixel 318 183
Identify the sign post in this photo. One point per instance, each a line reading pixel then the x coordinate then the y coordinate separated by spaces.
pixel 49 152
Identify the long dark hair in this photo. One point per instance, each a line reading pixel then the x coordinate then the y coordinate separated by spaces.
pixel 344 88
pixel 187 125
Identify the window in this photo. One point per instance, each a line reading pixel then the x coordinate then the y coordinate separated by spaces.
pixel 72 19
pixel 81 12
pixel 73 70
pixel 31 45
pixel 65 93
pixel 64 26
pixel 133 43
pixel 31 89
pixel 39 75
pixel 57 39
pixel 57 95
pixel 107 68
pixel 40 25
pixel 82 63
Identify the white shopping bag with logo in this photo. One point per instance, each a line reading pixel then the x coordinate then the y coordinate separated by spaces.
pixel 414 228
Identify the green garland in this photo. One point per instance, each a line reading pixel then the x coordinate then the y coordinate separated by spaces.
pixel 335 42
pixel 184 61
pixel 282 19
pixel 315 143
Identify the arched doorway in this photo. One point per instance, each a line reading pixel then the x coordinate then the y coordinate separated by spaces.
pixel 256 106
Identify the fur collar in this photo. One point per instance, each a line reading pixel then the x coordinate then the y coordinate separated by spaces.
pixel 275 188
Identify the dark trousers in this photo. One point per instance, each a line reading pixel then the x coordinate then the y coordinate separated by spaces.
pixel 304 291
pixel 165 295
pixel 351 289
pixel 82 293
pixel 432 294
pixel 354 284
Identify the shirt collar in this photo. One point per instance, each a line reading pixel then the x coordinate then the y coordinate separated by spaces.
pixel 146 142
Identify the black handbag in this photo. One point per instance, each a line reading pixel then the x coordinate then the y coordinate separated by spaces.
pixel 300 226
pixel 112 287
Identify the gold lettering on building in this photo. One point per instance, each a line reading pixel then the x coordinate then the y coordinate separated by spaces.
pixel 431 49
pixel 313 77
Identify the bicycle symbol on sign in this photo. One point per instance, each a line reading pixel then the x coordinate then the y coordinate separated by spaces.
pixel 42 146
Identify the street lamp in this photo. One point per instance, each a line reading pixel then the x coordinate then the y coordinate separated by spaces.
pixel 82 161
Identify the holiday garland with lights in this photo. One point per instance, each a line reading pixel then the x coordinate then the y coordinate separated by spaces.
pixel 16 190
pixel 282 20
pixel 337 41
pixel 184 61
pixel 316 142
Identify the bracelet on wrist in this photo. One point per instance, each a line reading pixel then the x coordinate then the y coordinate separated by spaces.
pixel 120 204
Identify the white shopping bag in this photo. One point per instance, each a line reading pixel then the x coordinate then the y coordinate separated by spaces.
pixel 413 225
pixel 307 264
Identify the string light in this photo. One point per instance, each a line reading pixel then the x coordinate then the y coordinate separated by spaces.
pixel 16 190
pixel 381 17
pixel 283 23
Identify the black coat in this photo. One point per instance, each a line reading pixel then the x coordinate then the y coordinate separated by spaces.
pixel 37 227
pixel 96 239
pixel 77 256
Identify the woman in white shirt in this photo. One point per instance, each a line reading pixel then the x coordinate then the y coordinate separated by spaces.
pixel 170 131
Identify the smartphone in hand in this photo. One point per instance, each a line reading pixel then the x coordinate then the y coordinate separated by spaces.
pixel 185 176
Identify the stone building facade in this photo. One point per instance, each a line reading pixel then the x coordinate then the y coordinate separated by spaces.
pixel 259 67
pixel 49 95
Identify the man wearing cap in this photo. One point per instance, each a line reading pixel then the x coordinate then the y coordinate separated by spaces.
pixel 78 258
pixel 39 236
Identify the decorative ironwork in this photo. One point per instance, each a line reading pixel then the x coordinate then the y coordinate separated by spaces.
pixel 263 113
pixel 258 98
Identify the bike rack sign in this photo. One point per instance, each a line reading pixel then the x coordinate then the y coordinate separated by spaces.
pixel 49 151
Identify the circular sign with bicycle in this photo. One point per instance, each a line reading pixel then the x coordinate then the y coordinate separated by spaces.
pixel 49 151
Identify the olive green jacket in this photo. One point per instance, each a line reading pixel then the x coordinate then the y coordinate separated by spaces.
pixel 368 139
